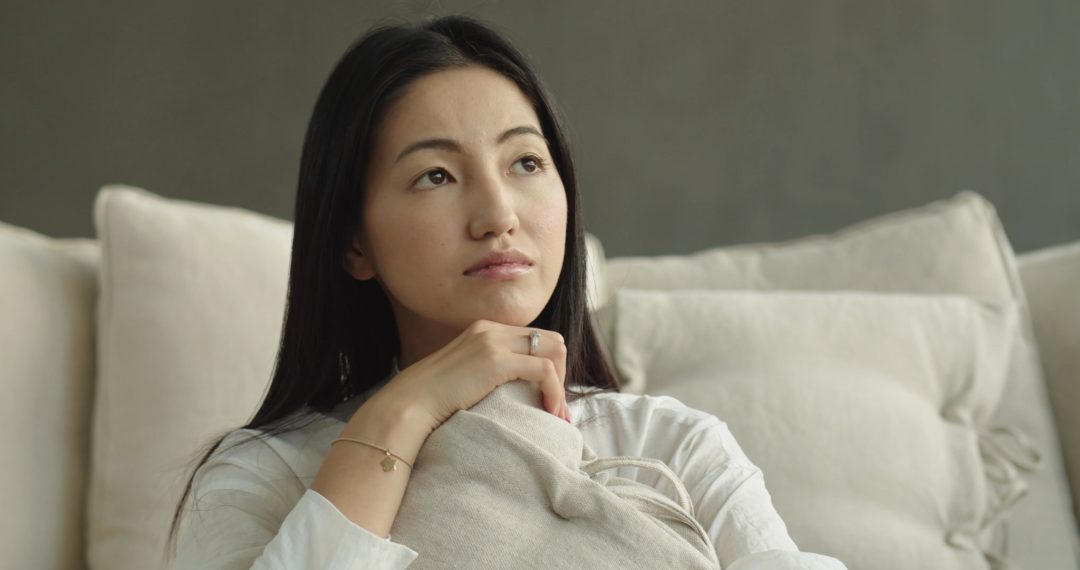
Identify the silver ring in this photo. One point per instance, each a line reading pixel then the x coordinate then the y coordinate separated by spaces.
pixel 534 341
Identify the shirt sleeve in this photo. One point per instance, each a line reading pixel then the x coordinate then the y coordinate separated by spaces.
pixel 736 510
pixel 242 518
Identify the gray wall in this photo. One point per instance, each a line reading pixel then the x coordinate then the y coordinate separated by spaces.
pixel 694 124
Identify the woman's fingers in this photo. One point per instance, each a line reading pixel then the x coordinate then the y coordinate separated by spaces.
pixel 546 364
pixel 549 345
pixel 541 370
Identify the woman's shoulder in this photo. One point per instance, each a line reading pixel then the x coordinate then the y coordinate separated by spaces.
pixel 641 412
pixel 263 472
pixel 638 400
pixel 297 448
pixel 642 403
pixel 689 440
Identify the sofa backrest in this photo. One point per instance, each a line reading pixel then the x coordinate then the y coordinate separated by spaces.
pixel 48 289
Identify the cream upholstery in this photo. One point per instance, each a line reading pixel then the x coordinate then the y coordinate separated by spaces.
pixel 865 411
pixel 190 315
pixel 1052 280
pixel 47 294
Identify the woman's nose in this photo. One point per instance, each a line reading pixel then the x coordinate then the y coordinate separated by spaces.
pixel 492 207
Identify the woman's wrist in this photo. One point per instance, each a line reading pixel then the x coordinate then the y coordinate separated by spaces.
pixel 391 423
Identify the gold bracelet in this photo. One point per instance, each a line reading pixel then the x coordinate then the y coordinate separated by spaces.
pixel 388 464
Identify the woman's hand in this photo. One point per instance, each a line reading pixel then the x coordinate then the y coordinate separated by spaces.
pixel 486 355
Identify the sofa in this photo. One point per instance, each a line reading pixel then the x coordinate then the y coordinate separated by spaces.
pixel 907 384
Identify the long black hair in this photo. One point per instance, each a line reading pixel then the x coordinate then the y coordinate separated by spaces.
pixel 339 336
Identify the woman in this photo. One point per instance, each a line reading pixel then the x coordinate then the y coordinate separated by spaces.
pixel 437 226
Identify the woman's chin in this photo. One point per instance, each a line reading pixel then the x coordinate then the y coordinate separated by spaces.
pixel 511 316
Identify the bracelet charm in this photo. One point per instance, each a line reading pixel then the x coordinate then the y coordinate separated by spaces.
pixel 389 463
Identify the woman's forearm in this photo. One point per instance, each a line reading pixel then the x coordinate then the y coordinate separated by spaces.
pixel 352 477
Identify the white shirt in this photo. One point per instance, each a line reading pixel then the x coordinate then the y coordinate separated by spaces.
pixel 256 510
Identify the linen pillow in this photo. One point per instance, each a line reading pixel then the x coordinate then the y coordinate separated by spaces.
pixel 189 320
pixel 47 297
pixel 863 410
pixel 953 246
pixel 510 472
pixel 1052 282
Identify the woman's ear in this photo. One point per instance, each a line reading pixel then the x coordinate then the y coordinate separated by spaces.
pixel 354 261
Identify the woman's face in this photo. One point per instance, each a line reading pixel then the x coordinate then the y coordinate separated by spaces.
pixel 432 210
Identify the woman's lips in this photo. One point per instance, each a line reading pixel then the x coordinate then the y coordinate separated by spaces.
pixel 501 271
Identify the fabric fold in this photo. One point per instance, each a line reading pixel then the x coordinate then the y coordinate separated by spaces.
pixel 1002 465
pixel 506 484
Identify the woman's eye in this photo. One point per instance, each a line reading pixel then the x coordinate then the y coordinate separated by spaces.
pixel 532 164
pixel 437 176
pixel 536 161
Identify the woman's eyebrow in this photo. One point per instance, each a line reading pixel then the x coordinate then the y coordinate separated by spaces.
pixel 453 145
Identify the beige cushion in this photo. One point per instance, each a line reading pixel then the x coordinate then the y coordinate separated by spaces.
pixel 1052 282
pixel 955 246
pixel 47 296
pixel 948 245
pixel 863 410
pixel 191 309
pixel 524 479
